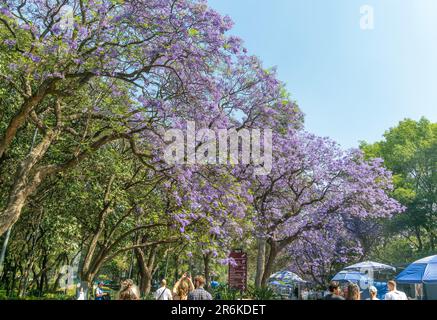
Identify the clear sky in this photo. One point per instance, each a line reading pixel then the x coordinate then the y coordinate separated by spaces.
pixel 352 84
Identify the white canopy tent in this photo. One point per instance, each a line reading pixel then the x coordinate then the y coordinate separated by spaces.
pixel 370 265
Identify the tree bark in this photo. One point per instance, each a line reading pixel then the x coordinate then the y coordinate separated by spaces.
pixel 87 286
pixel 92 262
pixel 43 276
pixel 145 283
pixel 19 119
pixel 206 261
pixel 268 269
pixel 419 238
pixel 13 281
pixel 22 289
pixel 146 269
pixel 4 248
pixel 25 183
pixel 56 283
pixel 260 262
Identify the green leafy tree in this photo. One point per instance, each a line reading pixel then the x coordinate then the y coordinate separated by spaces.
pixel 409 150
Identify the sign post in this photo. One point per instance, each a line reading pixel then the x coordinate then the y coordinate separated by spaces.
pixel 237 274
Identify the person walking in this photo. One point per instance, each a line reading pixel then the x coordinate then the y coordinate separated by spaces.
pixel 199 293
pixel 163 293
pixel 393 293
pixel 183 287
pixel 334 291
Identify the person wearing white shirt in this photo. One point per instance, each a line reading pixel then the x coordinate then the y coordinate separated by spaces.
pixel 393 293
pixel 99 292
pixel 81 295
pixel 163 293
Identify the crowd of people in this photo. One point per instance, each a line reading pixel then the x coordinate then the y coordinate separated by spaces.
pixel 353 292
pixel 184 289
pixel 187 289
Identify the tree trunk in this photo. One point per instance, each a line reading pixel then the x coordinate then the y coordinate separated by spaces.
pixel 43 283
pixel 419 238
pixel 25 183
pixel 43 276
pixel 430 236
pixel 260 262
pixel 35 283
pixel 4 275
pixel 87 286
pixel 146 267
pixel 19 119
pixel 268 269
pixel 13 282
pixel 131 266
pixel 23 284
pixel 206 261
pixel 4 248
pixel 57 282
pixel 176 267
pixel 145 283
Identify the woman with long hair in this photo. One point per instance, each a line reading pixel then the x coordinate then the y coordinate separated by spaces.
pixel 182 288
pixel 353 292
pixel 129 291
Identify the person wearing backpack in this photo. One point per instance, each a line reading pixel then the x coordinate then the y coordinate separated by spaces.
pixel 163 293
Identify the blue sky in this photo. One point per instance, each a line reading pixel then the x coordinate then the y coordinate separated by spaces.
pixel 352 84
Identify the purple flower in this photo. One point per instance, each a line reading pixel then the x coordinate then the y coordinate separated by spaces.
pixel 5 12
pixel 215 231
pixel 83 32
pixel 25 27
pixel 13 66
pixel 56 29
pixel 32 57
pixel 10 43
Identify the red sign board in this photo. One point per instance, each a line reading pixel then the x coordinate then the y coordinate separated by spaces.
pixel 237 275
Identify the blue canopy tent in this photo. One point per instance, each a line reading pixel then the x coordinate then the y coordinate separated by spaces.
pixel 423 275
pixel 276 283
pixel 421 271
